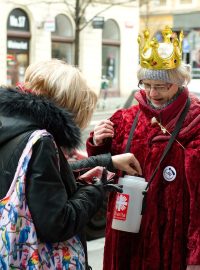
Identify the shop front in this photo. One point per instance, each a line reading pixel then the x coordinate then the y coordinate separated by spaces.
pixel 110 59
pixel 63 39
pixel 18 38
pixel 189 23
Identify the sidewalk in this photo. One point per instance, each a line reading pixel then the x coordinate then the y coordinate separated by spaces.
pixel 110 103
pixel 95 253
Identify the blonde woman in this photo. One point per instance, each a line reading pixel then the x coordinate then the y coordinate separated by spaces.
pixel 56 97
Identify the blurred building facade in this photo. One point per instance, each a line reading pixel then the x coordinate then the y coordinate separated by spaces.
pixel 180 15
pixel 40 30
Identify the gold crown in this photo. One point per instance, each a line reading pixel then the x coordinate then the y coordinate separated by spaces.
pixel 164 55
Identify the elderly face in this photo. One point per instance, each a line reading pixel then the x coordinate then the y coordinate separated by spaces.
pixel 158 92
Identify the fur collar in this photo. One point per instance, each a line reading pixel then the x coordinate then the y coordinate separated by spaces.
pixel 43 112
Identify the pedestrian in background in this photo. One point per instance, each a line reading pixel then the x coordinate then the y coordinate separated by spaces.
pixel 57 98
pixel 169 236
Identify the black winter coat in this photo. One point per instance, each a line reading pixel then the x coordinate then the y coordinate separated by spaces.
pixel 59 209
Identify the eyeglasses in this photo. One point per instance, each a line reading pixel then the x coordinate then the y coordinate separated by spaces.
pixel 160 88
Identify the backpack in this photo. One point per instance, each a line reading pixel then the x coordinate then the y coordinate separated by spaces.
pixel 20 247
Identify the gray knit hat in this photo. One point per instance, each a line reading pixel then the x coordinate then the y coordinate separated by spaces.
pixel 180 76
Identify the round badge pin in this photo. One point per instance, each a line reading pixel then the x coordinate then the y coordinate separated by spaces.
pixel 169 173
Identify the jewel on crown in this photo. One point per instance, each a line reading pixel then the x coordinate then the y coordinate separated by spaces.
pixel 164 55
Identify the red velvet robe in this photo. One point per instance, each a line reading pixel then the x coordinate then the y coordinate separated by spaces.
pixel 169 237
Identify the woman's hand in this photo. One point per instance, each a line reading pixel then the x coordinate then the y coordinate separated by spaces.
pixel 193 267
pixel 102 131
pixel 128 163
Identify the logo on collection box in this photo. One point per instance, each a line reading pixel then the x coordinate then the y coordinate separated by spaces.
pixel 121 206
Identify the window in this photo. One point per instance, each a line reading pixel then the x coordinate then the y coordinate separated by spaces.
pixel 162 2
pixel 193 38
pixel 185 1
pixel 62 39
pixel 111 55
pixel 18 37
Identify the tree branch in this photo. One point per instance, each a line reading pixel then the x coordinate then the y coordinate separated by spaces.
pixel 70 8
pixel 85 7
pixel 100 12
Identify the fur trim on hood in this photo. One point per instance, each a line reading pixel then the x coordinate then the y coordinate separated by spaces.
pixel 43 112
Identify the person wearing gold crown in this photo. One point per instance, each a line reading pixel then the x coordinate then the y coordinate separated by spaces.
pixel 166 143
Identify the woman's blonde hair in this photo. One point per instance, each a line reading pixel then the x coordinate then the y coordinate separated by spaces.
pixel 65 85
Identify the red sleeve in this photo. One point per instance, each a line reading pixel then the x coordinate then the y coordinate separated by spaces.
pixel 192 170
pixel 94 150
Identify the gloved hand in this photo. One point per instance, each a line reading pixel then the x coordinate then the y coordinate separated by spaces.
pixel 108 185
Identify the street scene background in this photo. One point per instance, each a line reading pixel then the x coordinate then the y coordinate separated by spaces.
pixel 100 37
